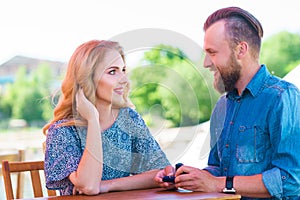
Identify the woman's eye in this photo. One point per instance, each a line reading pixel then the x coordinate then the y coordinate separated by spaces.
pixel 124 70
pixel 112 72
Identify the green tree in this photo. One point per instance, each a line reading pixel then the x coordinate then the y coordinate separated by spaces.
pixel 172 82
pixel 280 52
pixel 25 98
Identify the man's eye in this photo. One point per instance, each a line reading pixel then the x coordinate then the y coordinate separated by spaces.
pixel 212 53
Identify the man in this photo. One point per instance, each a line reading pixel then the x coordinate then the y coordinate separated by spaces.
pixel 255 126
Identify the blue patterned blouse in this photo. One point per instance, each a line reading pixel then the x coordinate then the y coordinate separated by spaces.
pixel 128 149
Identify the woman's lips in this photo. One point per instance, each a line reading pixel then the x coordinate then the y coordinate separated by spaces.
pixel 119 91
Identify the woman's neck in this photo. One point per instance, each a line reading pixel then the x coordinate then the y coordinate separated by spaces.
pixel 107 116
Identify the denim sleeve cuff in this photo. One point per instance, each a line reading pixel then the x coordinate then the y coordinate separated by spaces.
pixel 213 170
pixel 273 183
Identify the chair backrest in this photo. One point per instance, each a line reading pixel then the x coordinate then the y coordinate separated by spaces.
pixel 33 167
pixel 11 155
pixel 14 155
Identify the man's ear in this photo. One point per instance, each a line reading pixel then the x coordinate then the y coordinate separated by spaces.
pixel 241 49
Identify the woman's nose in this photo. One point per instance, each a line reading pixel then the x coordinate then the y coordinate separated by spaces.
pixel 123 79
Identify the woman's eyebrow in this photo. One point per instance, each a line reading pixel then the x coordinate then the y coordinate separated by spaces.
pixel 113 67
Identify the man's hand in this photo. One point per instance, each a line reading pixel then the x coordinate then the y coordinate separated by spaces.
pixel 195 179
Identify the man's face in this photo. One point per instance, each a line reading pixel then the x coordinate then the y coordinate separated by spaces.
pixel 220 58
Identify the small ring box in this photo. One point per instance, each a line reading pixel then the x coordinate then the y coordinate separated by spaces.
pixel 171 179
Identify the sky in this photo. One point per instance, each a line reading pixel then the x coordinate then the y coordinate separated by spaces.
pixel 52 29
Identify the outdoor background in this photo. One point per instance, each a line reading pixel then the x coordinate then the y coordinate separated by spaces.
pixel 162 41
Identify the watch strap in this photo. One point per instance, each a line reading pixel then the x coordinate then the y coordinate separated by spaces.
pixel 229 182
pixel 229 189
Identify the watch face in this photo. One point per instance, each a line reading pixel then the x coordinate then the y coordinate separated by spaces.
pixel 229 191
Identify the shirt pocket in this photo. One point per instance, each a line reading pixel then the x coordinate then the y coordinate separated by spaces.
pixel 251 145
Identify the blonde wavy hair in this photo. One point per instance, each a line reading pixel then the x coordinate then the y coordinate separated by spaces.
pixel 80 73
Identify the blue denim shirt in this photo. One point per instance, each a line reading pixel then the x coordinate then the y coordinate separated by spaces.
pixel 259 133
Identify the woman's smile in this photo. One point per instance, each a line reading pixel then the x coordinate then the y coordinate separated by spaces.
pixel 119 90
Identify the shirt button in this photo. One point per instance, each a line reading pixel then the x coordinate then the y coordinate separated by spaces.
pixel 231 122
pixel 225 169
pixel 227 145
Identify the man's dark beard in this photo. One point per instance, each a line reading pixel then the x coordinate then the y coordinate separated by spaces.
pixel 230 79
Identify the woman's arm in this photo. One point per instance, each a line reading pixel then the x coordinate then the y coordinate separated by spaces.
pixel 135 182
pixel 87 177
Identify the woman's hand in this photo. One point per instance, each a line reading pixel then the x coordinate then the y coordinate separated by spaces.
pixel 76 191
pixel 84 107
pixel 167 171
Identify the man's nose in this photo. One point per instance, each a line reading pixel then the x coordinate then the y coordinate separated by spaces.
pixel 207 62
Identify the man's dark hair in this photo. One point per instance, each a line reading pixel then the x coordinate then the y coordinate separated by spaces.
pixel 240 26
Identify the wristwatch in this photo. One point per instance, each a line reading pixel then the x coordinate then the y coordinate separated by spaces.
pixel 229 185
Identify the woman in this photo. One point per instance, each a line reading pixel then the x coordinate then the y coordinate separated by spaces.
pixel 96 142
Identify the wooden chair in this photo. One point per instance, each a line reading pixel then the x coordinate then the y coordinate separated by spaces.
pixel 14 155
pixel 33 167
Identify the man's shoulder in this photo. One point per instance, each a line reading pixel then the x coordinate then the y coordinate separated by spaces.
pixel 280 85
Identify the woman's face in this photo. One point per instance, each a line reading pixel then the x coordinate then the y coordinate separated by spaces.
pixel 110 79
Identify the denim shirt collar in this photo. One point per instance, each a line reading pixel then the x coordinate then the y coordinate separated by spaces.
pixel 255 85
pixel 258 81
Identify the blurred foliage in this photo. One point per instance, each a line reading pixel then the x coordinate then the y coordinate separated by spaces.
pixel 166 86
pixel 281 53
pixel 173 85
pixel 26 97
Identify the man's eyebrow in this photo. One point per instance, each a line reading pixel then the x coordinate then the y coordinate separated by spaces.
pixel 209 50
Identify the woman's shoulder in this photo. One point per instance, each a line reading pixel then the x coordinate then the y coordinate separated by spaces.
pixel 130 119
pixel 59 127
pixel 59 124
pixel 129 111
pixel 130 114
